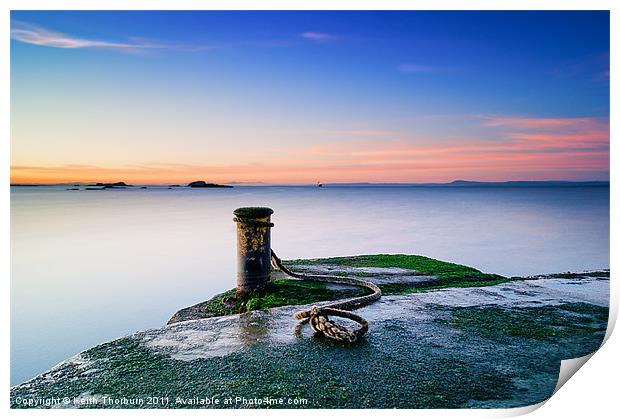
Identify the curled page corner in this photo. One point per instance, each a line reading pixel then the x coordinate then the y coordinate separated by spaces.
pixel 568 368
pixel 519 411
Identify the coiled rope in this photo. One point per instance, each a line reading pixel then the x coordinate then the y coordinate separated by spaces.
pixel 317 315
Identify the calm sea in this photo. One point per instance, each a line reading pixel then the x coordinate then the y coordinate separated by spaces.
pixel 89 266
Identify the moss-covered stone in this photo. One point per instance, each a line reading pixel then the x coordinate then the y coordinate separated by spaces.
pixel 302 371
pixel 399 288
pixel 282 292
pixel 541 323
pixel 422 264
pixel 295 292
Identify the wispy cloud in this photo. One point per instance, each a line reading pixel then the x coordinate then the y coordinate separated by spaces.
pixel 594 67
pixel 517 122
pixel 318 36
pixel 36 35
pixel 512 135
pixel 370 133
pixel 416 68
pixel 516 147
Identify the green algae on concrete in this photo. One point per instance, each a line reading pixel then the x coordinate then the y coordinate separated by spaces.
pixel 543 323
pixel 281 292
pixel 128 370
pixel 285 291
pixel 487 280
pixel 422 264
pixel 406 363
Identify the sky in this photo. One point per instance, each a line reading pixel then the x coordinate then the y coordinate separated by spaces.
pixel 298 97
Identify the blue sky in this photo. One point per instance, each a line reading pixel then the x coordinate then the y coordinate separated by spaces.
pixel 346 96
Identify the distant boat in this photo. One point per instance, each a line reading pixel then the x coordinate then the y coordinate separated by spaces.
pixel 319 185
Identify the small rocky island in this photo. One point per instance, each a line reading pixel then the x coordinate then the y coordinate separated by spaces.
pixel 203 184
pixel 122 185
pixel 107 185
pixel 442 336
pixel 112 185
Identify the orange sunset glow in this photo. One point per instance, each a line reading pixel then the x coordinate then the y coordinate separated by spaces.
pixel 524 148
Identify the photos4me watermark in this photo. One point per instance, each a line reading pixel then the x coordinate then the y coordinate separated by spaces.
pixel 165 401
pixel 242 401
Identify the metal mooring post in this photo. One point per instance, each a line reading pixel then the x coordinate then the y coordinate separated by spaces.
pixel 253 248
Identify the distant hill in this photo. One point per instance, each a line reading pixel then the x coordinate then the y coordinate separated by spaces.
pixel 474 184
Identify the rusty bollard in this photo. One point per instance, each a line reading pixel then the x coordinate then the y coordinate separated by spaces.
pixel 253 249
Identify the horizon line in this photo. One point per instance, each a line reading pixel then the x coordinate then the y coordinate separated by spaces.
pixel 258 183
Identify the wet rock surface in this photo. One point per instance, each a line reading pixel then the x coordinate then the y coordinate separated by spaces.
pixel 379 276
pixel 494 346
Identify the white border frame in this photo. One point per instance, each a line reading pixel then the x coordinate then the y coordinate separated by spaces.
pixel 594 391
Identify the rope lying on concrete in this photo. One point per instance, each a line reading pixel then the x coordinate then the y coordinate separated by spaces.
pixel 317 315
